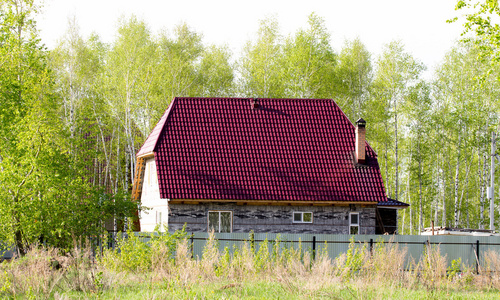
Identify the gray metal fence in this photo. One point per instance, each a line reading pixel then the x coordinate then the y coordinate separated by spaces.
pixel 470 249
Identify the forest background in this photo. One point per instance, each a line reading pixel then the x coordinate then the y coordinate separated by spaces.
pixel 72 118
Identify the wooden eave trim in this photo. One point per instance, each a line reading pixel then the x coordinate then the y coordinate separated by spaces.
pixel 270 202
pixel 140 167
pixel 146 156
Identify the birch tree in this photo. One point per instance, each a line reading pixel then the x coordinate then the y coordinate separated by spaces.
pixel 260 67
pixel 472 115
pixel 396 71
pixel 129 75
pixel 309 62
pixel 354 77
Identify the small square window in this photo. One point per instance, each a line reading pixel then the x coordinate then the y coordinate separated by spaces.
pixel 354 219
pixel 297 217
pixel 354 230
pixel 302 217
pixel 307 217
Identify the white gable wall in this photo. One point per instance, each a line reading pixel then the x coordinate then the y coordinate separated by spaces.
pixel 155 212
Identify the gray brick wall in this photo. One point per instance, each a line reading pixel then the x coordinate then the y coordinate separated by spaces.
pixel 272 219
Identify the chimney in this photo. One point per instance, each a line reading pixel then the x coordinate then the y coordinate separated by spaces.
pixel 254 103
pixel 360 141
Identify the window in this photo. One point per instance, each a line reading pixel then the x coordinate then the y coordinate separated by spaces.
pixel 158 218
pixel 353 223
pixel 159 221
pixel 220 221
pixel 151 175
pixel 302 217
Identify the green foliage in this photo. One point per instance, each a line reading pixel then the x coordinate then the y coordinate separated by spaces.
pixel 354 259
pixel 261 66
pixel 299 66
pixel 6 283
pixel 454 269
pixel 216 73
pixel 310 62
pixel 222 268
pixel 480 21
pixel 98 282
pixel 133 254
pixel 354 73
pixel 47 191
pixel 262 257
pixel 277 249
pixel 72 119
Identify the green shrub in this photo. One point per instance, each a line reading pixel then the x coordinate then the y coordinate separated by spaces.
pixel 353 260
pixel 133 254
pixel 262 257
pixel 454 269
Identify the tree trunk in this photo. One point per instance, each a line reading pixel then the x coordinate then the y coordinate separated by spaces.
pixel 443 219
pixel 457 173
pixel 483 177
pixel 408 192
pixel 436 198
pixel 420 220
pixel 465 188
pixel 411 204
pixel 396 179
pixel 387 183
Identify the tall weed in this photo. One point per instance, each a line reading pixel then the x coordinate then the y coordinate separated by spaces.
pixel 431 269
pixel 491 270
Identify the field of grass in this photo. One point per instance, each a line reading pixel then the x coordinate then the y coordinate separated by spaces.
pixel 274 290
pixel 164 269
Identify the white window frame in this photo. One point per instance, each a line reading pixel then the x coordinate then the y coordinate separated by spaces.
pixel 352 225
pixel 302 217
pixel 219 212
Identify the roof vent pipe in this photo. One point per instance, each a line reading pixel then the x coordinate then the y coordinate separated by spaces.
pixel 360 141
pixel 254 103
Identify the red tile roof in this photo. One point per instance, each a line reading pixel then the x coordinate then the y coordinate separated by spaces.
pixel 286 149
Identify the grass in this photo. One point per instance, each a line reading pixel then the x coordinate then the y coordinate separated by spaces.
pixel 164 269
pixel 274 290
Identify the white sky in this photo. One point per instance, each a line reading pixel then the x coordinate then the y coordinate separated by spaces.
pixel 421 25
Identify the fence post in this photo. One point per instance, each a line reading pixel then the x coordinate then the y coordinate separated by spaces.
pixel 477 257
pixel 314 247
pixel 371 246
pixel 192 245
pixel 252 241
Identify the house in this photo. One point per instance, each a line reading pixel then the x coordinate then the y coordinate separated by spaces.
pixel 267 165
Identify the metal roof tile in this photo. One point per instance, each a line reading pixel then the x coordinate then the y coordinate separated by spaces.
pixel 286 149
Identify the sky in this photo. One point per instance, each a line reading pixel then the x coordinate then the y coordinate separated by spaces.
pixel 420 25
